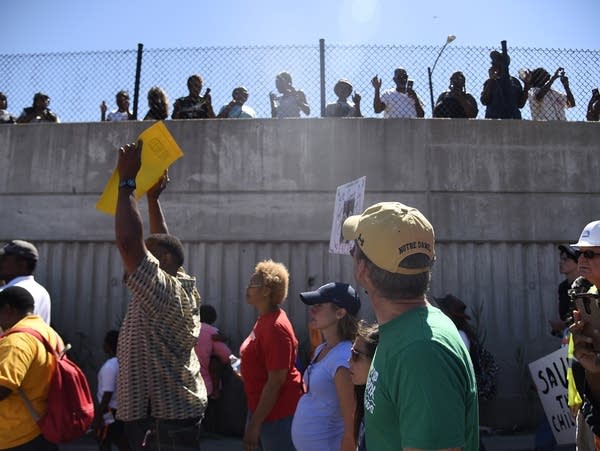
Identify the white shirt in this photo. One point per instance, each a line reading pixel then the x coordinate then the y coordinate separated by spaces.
pixel 550 108
pixel 107 381
pixel 41 298
pixel 115 116
pixel 398 104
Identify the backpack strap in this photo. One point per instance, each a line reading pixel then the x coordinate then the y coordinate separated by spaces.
pixel 49 349
pixel 39 336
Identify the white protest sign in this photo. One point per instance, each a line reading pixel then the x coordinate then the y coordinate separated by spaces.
pixel 550 377
pixel 348 201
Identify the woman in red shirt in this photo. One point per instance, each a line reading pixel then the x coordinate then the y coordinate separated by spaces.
pixel 272 383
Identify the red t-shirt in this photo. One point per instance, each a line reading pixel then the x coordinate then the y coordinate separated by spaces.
pixel 272 345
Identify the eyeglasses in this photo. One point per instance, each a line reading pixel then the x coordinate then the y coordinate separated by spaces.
pixel 589 254
pixel 254 285
pixel 356 354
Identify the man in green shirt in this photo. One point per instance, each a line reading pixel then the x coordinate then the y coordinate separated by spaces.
pixel 421 392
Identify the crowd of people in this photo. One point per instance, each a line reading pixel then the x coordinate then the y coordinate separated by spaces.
pixel 409 381
pixel 357 391
pixel 502 95
pixel 412 380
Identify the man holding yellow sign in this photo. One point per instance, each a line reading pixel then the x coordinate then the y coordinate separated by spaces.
pixel 162 397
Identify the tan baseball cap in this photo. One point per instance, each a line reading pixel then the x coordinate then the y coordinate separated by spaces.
pixel 388 232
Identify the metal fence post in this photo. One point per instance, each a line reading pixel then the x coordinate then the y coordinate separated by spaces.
pixel 138 73
pixel 322 67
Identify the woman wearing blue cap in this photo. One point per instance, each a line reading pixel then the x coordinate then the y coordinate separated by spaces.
pixel 324 416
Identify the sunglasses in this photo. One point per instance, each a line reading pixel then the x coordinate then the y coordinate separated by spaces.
pixel 355 354
pixel 589 254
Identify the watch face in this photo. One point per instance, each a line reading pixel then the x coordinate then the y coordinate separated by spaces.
pixel 129 183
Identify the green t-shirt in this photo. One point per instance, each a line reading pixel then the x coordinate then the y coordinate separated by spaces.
pixel 421 391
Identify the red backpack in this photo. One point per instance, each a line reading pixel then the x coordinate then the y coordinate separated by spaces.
pixel 70 408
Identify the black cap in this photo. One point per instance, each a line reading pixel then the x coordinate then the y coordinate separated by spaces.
pixel 340 294
pixel 570 251
pixel 23 249
pixel 452 307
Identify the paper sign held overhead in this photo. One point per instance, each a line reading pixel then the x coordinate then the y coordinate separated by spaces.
pixel 159 151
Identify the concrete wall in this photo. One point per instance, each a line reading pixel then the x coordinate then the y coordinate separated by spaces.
pixel 500 194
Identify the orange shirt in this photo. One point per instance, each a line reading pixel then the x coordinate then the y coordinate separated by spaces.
pixel 24 364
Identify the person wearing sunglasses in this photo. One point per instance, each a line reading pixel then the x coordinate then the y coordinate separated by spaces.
pixel 272 383
pixel 568 267
pixel 324 416
pixel 586 371
pixel 362 352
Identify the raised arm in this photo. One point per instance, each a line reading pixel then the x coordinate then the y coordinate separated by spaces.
pixel 570 99
pixel 128 222
pixel 378 105
pixel 418 105
pixel 302 102
pixel 158 223
pixel 209 108
pixel 356 99
pixel 272 101
pixel 486 94
pixel 586 355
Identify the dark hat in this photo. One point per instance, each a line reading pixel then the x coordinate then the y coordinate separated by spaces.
pixel 570 251
pixel 452 307
pixel 340 294
pixel 40 95
pixel 23 249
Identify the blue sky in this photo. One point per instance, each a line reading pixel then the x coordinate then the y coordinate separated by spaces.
pixel 35 26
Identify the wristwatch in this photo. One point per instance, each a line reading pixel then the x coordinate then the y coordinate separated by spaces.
pixel 129 183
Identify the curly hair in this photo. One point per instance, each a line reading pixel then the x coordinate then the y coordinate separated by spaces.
pixel 275 276
pixel 158 102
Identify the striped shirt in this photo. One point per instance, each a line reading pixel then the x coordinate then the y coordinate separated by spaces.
pixel 159 373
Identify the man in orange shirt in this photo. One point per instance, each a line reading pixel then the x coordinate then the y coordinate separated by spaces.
pixel 25 366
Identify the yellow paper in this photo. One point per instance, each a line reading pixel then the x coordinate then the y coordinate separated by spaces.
pixel 159 151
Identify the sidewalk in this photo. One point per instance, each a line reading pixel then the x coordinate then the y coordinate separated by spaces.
pixel 521 442
pixel 88 443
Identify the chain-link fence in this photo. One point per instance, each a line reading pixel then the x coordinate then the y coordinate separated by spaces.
pixel 78 82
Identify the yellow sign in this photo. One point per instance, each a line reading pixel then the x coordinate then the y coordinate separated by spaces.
pixel 160 150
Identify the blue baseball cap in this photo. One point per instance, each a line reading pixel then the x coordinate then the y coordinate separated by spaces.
pixel 338 293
